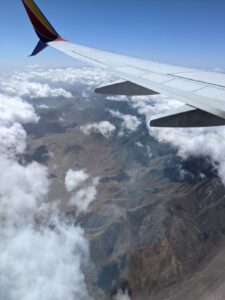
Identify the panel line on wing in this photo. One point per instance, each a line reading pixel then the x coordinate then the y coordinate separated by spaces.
pixel 196 80
pixel 93 59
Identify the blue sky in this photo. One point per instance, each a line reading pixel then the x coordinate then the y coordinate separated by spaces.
pixel 183 32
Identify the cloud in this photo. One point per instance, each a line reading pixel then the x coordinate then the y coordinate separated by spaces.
pixel 129 122
pixel 14 109
pixel 150 106
pixel 189 142
pixel 85 75
pixel 12 140
pixel 42 263
pixel 14 112
pixel 43 106
pixel 139 144
pixel 83 189
pixel 23 85
pixel 122 296
pixel 117 98
pixel 105 128
pixel 74 179
pixel 39 82
pixel 41 254
pixel 206 142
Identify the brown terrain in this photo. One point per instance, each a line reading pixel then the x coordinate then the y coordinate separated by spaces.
pixel 152 232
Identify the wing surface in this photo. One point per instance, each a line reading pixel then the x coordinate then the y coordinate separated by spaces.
pixel 202 90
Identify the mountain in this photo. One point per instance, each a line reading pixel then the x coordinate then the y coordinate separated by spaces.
pixel 156 228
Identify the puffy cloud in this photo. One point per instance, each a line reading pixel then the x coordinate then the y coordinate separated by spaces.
pixel 22 197
pixel 43 106
pixel 14 112
pixel 86 75
pixel 74 179
pixel 23 85
pixel 117 98
pixel 42 264
pixel 105 128
pixel 83 197
pixel 195 142
pixel 122 296
pixel 12 140
pixel 34 90
pixel 82 187
pixel 146 148
pixel 129 122
pixel 150 106
pixel 14 109
pixel 139 144
pixel 41 254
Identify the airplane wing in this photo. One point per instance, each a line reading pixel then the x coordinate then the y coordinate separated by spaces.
pixel 202 92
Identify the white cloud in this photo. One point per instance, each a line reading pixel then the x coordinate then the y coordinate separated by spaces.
pixel 139 144
pixel 41 255
pixel 195 142
pixel 85 196
pixel 129 122
pixel 122 296
pixel 117 98
pixel 150 106
pixel 12 140
pixel 146 148
pixel 105 128
pixel 39 259
pixel 219 70
pixel 21 84
pixel 43 106
pixel 86 75
pixel 83 189
pixel 34 90
pixel 22 190
pixel 14 112
pixel 14 109
pixel 42 264
pixel 207 142
pixel 74 179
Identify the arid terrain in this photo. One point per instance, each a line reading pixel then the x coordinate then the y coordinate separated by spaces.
pixel 156 229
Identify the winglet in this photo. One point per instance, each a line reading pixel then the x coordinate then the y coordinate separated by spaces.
pixel 42 26
pixel 40 46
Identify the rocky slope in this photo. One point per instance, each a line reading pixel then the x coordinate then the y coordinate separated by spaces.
pixel 156 229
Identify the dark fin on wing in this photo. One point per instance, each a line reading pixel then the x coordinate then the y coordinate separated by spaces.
pixel 43 28
pixel 126 88
pixel 40 46
pixel 187 116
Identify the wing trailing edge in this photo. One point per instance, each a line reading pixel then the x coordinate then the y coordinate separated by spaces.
pixel 187 116
pixel 124 88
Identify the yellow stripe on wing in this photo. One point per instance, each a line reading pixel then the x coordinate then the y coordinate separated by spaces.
pixel 38 14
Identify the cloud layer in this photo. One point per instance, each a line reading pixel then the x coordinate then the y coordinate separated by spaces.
pixel 41 255
pixel 25 85
pixel 105 128
pixel 83 189
pixel 189 142
pixel 129 122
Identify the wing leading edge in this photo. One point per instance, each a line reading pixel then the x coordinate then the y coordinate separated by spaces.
pixel 202 92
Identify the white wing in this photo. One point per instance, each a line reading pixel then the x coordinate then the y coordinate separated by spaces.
pixel 201 90
pixel 203 93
